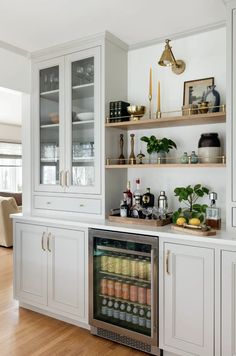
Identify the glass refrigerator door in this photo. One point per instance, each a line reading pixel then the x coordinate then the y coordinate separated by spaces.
pixel 123 284
pixel 83 174
pixel 49 126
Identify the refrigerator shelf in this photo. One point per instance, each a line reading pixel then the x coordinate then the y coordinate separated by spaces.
pixel 121 276
pixel 125 301
pixel 121 250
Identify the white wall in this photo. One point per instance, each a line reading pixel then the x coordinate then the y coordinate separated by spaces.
pixel 205 56
pixel 14 71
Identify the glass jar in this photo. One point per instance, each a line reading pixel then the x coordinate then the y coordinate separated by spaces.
pixel 209 148
pixel 184 158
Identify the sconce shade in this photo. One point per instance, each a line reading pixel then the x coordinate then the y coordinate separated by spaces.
pixel 168 60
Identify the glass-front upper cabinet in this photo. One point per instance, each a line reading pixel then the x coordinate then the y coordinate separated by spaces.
pixel 49 79
pixel 83 128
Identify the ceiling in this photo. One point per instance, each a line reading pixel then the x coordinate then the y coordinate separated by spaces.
pixel 33 25
pixel 10 107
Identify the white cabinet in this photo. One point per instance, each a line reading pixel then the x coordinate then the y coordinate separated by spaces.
pixel 231 115
pixel 66 107
pixel 50 269
pixel 228 313
pixel 187 317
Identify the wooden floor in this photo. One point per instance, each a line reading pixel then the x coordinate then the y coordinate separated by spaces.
pixel 25 333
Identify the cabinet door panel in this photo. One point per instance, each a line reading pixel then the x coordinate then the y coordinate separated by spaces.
pixel 83 124
pixel 30 264
pixel 228 303
pixel 48 104
pixel 66 285
pixel 189 299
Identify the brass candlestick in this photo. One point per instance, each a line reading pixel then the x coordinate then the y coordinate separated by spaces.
pixel 132 159
pixel 150 106
pixel 121 159
pixel 158 115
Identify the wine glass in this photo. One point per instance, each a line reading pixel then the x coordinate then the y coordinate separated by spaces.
pixel 145 213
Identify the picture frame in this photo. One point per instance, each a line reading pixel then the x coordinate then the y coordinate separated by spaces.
pixel 194 90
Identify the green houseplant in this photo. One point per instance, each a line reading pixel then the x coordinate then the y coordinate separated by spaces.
pixel 189 196
pixel 158 146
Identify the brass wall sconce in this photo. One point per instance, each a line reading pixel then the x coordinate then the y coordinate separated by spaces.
pixel 168 60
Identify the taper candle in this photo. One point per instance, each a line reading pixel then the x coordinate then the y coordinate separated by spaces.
pixel 150 83
pixel 159 97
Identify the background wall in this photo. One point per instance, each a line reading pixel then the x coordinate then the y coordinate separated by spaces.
pixel 205 56
pixel 11 133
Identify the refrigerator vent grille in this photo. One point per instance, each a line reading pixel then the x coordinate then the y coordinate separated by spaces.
pixel 124 340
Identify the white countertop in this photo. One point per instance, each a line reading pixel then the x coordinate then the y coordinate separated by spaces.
pixel 222 237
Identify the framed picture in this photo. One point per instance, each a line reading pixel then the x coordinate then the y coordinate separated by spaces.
pixel 195 90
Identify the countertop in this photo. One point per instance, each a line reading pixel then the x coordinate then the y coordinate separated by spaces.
pixel 222 237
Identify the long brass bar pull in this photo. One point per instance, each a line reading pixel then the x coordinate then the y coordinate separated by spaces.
pixel 67 174
pixel 167 262
pixel 42 241
pixel 61 179
pixel 48 242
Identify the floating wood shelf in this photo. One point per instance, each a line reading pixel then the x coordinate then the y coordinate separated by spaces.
pixel 166 165
pixel 183 120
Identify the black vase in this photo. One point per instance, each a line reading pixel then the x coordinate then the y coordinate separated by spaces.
pixel 209 148
pixel 213 97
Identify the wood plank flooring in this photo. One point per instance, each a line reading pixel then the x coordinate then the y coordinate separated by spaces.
pixel 25 333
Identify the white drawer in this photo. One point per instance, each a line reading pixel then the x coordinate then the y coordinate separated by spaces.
pixel 234 217
pixel 72 205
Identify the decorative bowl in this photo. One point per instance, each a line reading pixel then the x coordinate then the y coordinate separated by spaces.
pixel 54 117
pixel 136 111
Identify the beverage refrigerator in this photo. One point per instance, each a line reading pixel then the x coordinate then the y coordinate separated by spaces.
pixel 123 288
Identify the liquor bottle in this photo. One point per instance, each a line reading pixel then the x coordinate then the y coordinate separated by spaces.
pixel 213 218
pixel 148 199
pixel 135 317
pixel 122 311
pixel 128 196
pixel 110 308
pixel 104 306
pixel 116 310
pixel 142 318
pixel 124 209
pixel 137 196
pixel 128 313
pixel 148 318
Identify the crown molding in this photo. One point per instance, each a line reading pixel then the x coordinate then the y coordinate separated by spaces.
pixel 14 49
pixel 178 35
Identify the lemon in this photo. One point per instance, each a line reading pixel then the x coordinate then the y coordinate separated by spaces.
pixel 181 221
pixel 194 221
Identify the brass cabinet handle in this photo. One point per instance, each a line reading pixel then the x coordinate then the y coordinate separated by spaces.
pixel 42 241
pixel 61 179
pixel 48 242
pixel 167 262
pixel 67 177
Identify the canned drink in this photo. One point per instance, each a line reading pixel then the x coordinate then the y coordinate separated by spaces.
pixel 103 286
pixel 134 293
pixel 104 259
pixel 142 271
pixel 134 265
pixel 118 265
pixel 104 306
pixel 149 270
pixel 125 266
pixel 142 294
pixel 148 296
pixel 118 288
pixel 111 264
pixel 110 287
pixel 126 290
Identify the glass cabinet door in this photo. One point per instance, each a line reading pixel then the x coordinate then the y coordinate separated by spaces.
pixel 50 135
pixel 83 160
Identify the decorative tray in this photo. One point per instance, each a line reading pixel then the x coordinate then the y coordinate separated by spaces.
pixel 193 231
pixel 136 221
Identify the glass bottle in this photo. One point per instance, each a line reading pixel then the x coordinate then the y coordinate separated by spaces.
pixel 128 314
pixel 148 199
pixel 213 218
pixel 137 193
pixel 148 319
pixel 104 306
pixel 184 158
pixel 128 196
pixel 194 158
pixel 142 319
pixel 124 209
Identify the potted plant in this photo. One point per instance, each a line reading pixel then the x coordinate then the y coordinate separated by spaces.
pixel 159 146
pixel 192 211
